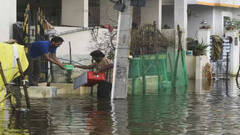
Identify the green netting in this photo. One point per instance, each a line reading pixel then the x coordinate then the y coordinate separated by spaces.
pixel 162 73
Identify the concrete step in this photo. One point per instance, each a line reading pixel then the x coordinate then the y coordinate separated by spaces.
pixel 41 92
pixel 56 89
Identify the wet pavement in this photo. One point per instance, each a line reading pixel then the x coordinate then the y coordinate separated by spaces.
pixel 205 109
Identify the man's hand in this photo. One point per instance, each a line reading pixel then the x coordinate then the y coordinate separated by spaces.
pixel 76 66
pixel 61 66
pixel 54 60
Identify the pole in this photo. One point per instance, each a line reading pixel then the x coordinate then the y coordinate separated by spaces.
pixel 144 81
pixel 227 66
pixel 121 63
pixel 70 52
pixel 179 32
pixel 24 85
pixel 49 76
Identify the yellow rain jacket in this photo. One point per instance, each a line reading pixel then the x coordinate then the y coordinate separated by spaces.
pixel 8 55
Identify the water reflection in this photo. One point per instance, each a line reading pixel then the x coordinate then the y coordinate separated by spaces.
pixel 99 119
pixel 14 124
pixel 211 109
pixel 219 108
pixel 226 88
pixel 120 117
pixel 157 115
pixel 200 86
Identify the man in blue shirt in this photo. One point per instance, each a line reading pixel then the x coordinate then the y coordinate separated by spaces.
pixel 46 49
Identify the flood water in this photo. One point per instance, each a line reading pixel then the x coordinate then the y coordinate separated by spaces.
pixel 202 110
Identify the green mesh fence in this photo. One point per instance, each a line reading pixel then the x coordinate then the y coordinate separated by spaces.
pixel 162 73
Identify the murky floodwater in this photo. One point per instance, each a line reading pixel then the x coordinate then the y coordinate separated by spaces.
pixel 204 110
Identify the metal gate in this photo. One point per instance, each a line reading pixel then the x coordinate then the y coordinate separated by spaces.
pixel 220 67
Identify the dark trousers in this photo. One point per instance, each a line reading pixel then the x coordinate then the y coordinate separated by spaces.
pixel 104 90
pixel 34 71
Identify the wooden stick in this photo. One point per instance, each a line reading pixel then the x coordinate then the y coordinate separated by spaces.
pixel 176 60
pixel 2 75
pixel 5 84
pixel 24 85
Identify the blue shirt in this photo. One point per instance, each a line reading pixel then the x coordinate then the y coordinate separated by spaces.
pixel 39 48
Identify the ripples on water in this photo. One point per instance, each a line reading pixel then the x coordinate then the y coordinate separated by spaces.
pixel 211 111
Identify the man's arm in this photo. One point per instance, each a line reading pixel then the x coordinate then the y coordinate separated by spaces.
pixel 86 66
pixel 54 60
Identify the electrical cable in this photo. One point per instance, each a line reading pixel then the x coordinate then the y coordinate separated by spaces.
pixel 73 61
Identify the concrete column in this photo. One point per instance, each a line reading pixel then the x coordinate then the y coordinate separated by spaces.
pixel 180 18
pixel 198 85
pixel 201 61
pixel 159 21
pixel 234 52
pixel 85 13
pixel 121 63
pixel 75 12
pixel 198 72
pixel 203 36
pixel 8 15
pixel 152 12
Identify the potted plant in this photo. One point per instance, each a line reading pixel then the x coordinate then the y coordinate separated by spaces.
pixel 231 25
pixel 196 47
pixel 205 27
pixel 200 49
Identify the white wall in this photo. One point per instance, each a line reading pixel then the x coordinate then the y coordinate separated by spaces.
pixel 196 14
pixel 107 14
pixel 236 13
pixel 8 17
pixel 213 16
pixel 80 42
pixel 75 12
pixel 219 13
pixel 195 65
pixel 234 52
pixel 191 66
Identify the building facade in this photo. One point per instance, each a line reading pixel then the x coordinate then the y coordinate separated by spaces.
pixel 166 13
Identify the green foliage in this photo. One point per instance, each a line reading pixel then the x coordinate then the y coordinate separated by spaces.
pixel 147 39
pixel 200 49
pixel 196 47
pixel 231 24
pixel 237 24
pixel 166 27
pixel 217 47
pixel 191 43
